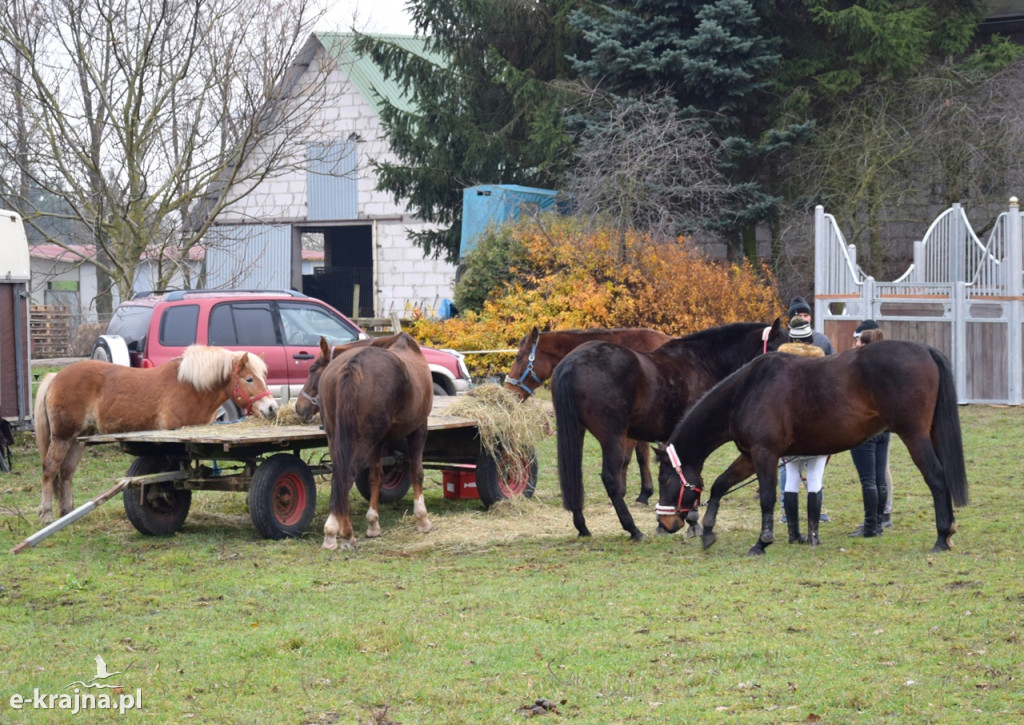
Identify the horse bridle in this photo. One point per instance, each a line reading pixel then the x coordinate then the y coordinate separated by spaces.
pixel 660 510
pixel 673 458
pixel 315 402
pixel 238 395
pixel 529 371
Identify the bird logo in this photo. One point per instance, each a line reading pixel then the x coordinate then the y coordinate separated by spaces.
pixel 101 674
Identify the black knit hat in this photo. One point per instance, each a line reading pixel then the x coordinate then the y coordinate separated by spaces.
pixel 799 304
pixel 865 325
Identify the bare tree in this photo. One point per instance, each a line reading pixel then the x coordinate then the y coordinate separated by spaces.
pixel 645 167
pixel 140 120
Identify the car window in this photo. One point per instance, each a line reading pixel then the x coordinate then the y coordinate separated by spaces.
pixel 178 326
pixel 131 322
pixel 303 324
pixel 244 324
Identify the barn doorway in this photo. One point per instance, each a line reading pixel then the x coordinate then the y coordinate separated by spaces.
pixel 345 281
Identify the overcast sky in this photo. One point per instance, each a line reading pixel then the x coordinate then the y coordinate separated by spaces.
pixel 372 16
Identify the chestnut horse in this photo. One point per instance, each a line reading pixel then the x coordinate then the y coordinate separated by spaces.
pixel 371 393
pixel 619 394
pixel 89 397
pixel 784 405
pixel 539 353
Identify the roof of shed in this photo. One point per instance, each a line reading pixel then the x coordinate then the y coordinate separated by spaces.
pixel 366 76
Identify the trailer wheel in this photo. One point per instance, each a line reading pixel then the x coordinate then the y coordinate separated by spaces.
pixel 492 487
pixel 160 508
pixel 282 497
pixel 393 486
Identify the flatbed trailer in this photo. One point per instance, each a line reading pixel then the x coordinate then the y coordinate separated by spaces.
pixel 267 462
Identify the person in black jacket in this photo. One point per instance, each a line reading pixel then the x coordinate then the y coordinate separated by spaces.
pixel 871 457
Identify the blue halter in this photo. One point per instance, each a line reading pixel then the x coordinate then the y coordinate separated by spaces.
pixel 529 371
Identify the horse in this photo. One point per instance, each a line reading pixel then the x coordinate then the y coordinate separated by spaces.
pixel 539 353
pixel 370 393
pixel 784 405
pixel 619 394
pixel 90 396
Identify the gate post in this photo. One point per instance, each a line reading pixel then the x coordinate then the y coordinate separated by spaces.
pixel 958 338
pixel 1014 266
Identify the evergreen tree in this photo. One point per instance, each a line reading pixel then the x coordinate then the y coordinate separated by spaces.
pixel 486 106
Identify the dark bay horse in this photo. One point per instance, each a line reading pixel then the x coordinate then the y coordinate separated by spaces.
pixel 90 396
pixel 782 405
pixel 619 394
pixel 369 393
pixel 539 353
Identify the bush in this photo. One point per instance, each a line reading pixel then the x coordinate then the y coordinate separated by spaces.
pixel 488 267
pixel 568 278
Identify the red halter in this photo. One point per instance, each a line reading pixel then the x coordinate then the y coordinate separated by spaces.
pixel 660 510
pixel 239 396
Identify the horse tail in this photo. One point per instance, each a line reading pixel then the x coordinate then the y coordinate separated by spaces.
pixel 570 436
pixel 346 422
pixel 41 420
pixel 947 438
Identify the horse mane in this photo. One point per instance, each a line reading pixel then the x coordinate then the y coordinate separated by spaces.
pixel 205 367
pixel 715 349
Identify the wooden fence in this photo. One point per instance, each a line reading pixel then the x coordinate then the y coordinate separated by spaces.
pixel 960 295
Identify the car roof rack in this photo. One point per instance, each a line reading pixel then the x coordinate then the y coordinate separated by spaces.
pixel 180 294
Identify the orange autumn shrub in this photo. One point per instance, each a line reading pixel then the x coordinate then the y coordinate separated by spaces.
pixel 604 279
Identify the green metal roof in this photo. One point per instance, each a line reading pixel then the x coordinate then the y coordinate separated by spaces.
pixel 365 75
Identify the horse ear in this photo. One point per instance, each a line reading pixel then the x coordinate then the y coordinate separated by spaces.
pixel 243 360
pixel 534 333
pixel 776 328
pixel 325 347
pixel 660 452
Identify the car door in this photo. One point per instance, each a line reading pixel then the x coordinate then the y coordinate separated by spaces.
pixel 253 326
pixel 303 323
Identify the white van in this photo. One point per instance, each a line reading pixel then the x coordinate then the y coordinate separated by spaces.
pixel 15 374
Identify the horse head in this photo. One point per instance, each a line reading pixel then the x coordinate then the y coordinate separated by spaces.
pixel 249 387
pixel 308 403
pixel 523 375
pixel 679 494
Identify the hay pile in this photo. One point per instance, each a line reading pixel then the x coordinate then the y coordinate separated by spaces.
pixel 509 429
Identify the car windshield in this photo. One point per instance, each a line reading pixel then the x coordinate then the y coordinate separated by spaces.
pixel 304 324
pixel 131 322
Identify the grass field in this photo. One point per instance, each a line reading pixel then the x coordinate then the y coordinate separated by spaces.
pixel 493 610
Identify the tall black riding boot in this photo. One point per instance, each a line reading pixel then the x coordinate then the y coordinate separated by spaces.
pixel 883 494
pixel 791 505
pixel 871 526
pixel 813 517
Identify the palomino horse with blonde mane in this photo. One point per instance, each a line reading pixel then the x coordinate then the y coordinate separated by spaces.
pixel 370 393
pixel 539 353
pixel 91 397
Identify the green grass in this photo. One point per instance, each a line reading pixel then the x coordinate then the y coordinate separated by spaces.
pixel 493 610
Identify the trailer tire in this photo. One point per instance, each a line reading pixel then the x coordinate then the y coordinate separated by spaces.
pixel 393 486
pixel 282 497
pixel 160 509
pixel 492 487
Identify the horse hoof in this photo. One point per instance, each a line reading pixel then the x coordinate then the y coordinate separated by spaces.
pixel 755 550
pixel 637 536
pixel 642 499
pixel 425 527
pixel 708 539
pixel 329 545
pixel 693 530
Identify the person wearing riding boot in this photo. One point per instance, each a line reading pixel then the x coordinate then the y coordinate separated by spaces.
pixel 810 468
pixel 872 457
pixel 800 310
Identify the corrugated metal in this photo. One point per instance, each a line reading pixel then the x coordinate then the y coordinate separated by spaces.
pixel 332 184
pixel 367 76
pixel 249 256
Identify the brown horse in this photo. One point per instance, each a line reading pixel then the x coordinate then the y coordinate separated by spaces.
pixel 90 396
pixel 370 393
pixel 618 394
pixel 785 405
pixel 539 353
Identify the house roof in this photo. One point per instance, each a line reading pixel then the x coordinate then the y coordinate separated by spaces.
pixel 366 76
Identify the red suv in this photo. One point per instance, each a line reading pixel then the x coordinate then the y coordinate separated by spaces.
pixel 284 327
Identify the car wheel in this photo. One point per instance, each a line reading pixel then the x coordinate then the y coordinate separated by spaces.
pixel 101 351
pixel 439 390
pixel 229 412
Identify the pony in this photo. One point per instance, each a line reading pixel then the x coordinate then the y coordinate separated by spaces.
pixel 90 397
pixel 369 393
pixel 539 353
pixel 784 405
pixel 619 394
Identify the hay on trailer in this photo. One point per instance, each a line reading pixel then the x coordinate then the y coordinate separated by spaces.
pixel 509 429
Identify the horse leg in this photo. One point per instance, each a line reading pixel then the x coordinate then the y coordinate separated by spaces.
pixel 923 454
pixel 53 464
pixel 643 461
pixel 417 441
pixel 612 468
pixel 739 469
pixel 67 472
pixel 338 522
pixel 767 467
pixel 376 472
